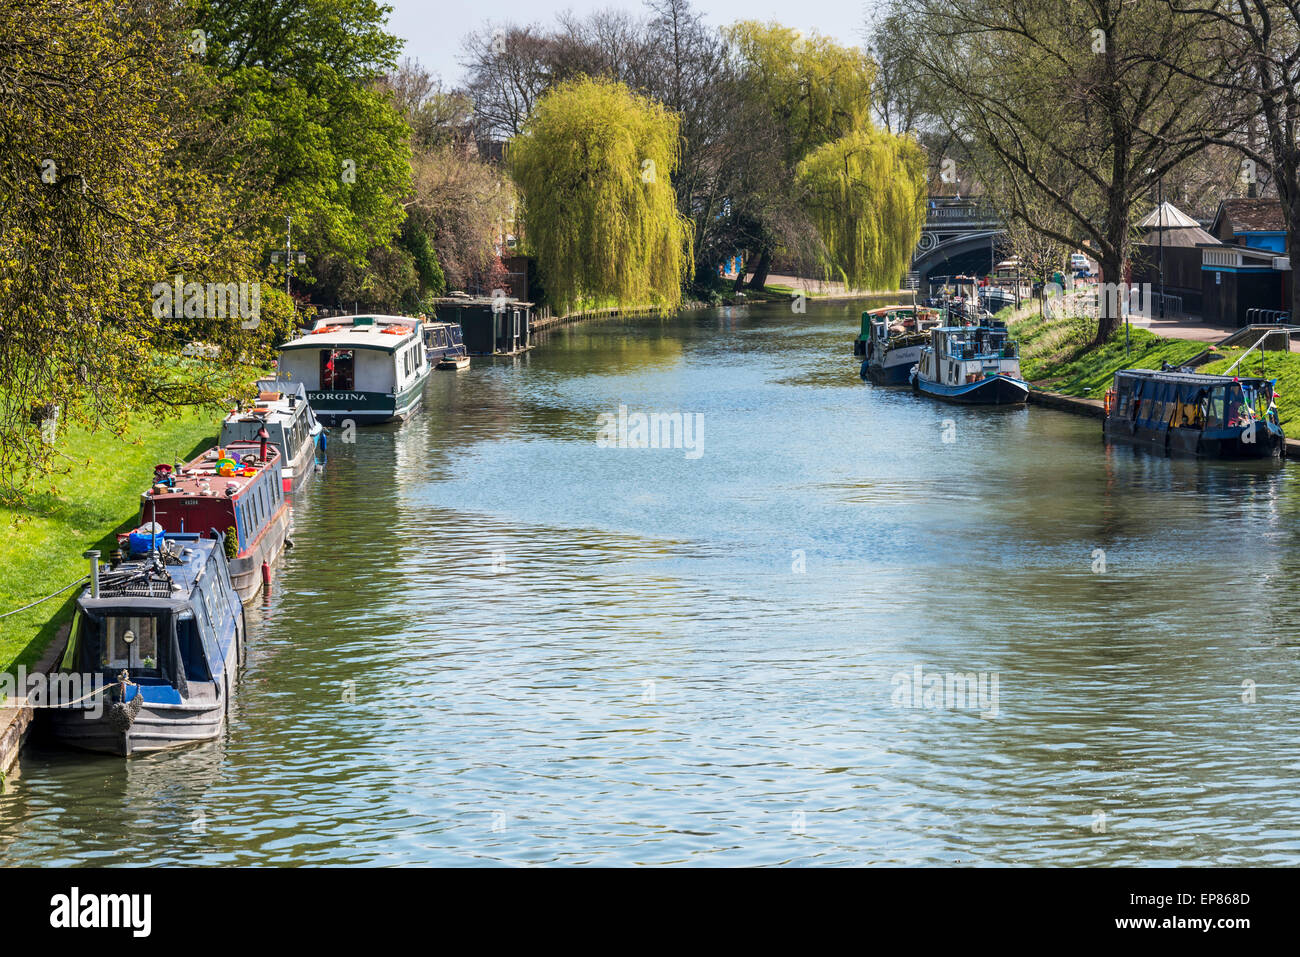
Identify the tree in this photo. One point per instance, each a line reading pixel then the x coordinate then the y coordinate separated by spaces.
pixel 304 77
pixel 1065 107
pixel 798 93
pixel 866 193
pixel 1255 66
pixel 594 165
pixel 104 199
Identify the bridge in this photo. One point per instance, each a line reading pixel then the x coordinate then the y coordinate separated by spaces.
pixel 959 238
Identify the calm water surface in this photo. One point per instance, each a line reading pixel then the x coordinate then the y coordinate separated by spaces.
pixel 497 642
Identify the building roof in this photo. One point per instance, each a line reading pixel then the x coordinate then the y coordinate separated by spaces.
pixel 1249 215
pixel 1167 225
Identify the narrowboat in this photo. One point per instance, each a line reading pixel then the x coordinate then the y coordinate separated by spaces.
pixel 362 369
pixel 1190 413
pixel 236 489
pixel 891 340
pixel 445 345
pixel 163 631
pixel 282 410
pixel 975 365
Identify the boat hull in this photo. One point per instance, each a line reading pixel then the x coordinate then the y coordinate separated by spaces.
pixel 246 570
pixel 1226 444
pixel 993 390
pixel 155 727
pixel 368 408
pixel 897 367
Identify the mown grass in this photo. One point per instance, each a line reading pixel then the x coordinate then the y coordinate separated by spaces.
pixel 1057 354
pixel 97 496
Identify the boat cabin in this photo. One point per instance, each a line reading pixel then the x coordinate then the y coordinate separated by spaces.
pixel 367 369
pixel 161 630
pixel 283 411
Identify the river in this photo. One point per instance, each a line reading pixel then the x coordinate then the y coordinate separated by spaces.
pixel 498 640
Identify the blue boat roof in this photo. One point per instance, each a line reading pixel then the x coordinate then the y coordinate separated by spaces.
pixel 190 554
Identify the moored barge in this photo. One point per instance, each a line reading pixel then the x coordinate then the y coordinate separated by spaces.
pixel 1191 413
pixel 361 369
pixel 891 341
pixel 163 630
pixel 973 365
pixel 237 491
pixel 282 410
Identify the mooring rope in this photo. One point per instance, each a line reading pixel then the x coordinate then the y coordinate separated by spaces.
pixel 79 581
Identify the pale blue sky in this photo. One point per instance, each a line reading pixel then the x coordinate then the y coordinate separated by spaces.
pixel 433 29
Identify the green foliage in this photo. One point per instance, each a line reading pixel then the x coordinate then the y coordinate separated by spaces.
pixel 427 268
pixel 817 89
pixel 866 194
pixel 594 164
pixel 299 76
pixel 231 542
pixel 102 197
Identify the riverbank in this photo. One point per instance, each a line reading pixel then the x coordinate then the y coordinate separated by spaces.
pixel 1059 360
pixel 97 496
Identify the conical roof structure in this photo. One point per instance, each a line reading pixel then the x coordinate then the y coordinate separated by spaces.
pixel 1170 226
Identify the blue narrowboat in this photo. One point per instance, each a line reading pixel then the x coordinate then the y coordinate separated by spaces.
pixel 973 365
pixel 163 629
pixel 1190 413
pixel 445 345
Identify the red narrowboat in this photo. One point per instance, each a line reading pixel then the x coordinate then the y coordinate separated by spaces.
pixel 236 490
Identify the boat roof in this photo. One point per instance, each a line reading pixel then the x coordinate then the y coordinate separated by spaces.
pixel 1189 378
pixel 384 333
pixel 267 408
pixel 198 478
pixel 124 585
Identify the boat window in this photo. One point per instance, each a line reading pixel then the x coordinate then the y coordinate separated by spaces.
pixel 191 647
pixel 130 642
pixel 1257 399
pixel 337 370
pixel 1214 408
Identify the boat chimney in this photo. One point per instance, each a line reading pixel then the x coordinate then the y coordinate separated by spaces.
pixel 93 555
pixel 263 436
pixel 293 400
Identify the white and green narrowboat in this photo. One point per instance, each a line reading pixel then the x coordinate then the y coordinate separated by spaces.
pixel 363 369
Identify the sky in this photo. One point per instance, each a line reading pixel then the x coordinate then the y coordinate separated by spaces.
pixel 433 29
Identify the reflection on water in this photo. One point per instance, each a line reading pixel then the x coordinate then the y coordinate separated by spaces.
pixel 497 642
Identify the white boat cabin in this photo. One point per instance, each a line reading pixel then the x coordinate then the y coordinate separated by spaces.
pixel 960 355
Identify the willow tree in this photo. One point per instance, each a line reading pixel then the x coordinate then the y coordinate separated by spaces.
pixel 1075 108
pixel 594 166
pixel 794 94
pixel 866 194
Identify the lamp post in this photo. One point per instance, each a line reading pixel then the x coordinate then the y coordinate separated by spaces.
pixel 289 256
pixel 1160 224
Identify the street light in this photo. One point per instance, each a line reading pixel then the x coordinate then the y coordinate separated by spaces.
pixel 289 256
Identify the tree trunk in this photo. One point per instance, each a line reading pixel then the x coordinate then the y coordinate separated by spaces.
pixel 1289 192
pixel 761 269
pixel 1109 286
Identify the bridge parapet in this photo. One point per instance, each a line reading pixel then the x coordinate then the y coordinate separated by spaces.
pixel 947 213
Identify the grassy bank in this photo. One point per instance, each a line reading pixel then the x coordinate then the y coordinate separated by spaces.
pixel 1057 354
pixel 40 550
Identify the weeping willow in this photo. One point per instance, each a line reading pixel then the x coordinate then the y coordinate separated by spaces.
pixel 866 195
pixel 594 166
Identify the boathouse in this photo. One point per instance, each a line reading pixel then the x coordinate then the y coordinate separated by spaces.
pixel 497 326
pixel 1245 272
